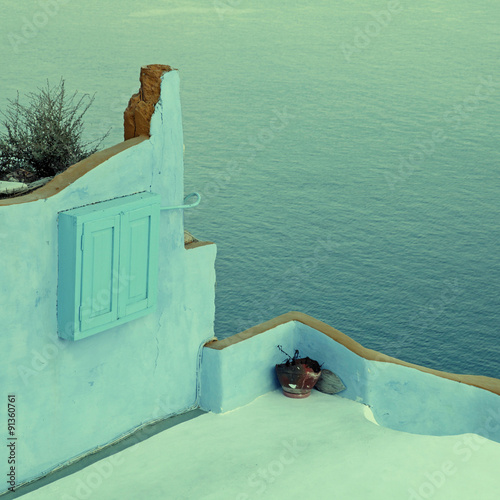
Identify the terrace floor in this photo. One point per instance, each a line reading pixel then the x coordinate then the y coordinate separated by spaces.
pixel 280 448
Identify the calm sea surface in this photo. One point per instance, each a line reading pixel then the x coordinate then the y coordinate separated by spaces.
pixel 348 155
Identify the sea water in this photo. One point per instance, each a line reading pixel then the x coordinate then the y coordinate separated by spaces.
pixel 347 152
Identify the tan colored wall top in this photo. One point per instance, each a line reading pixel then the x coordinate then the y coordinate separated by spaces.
pixel 196 244
pixel 488 383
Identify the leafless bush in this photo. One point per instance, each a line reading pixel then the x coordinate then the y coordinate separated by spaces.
pixel 44 137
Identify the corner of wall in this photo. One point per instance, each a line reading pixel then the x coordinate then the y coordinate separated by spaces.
pixel 238 374
pixel 167 177
pixel 350 367
pixel 211 381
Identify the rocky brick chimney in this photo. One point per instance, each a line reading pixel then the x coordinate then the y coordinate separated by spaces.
pixel 137 116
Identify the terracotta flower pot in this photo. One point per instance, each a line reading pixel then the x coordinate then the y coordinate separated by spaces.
pixel 298 377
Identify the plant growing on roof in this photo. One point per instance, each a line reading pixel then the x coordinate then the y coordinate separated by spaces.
pixel 44 137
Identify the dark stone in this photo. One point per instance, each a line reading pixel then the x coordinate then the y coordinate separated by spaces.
pixel 329 383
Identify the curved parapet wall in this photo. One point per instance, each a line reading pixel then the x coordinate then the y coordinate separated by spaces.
pixel 488 383
pixel 402 396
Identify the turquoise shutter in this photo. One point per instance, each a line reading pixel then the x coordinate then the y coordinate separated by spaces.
pixel 99 292
pixel 108 264
pixel 138 275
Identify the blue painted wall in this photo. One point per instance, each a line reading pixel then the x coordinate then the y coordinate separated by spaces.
pixel 401 398
pixel 75 396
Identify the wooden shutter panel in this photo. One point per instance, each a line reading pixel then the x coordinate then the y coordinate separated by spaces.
pixel 138 288
pixel 99 296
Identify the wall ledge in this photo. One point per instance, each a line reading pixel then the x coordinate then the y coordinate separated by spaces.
pixel 73 173
pixel 482 382
pixel 197 244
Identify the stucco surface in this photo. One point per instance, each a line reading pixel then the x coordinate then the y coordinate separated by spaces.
pixel 75 396
pixel 320 447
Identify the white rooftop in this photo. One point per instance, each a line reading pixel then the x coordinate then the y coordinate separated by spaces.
pixel 280 448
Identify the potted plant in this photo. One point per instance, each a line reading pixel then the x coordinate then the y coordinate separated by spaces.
pixel 297 376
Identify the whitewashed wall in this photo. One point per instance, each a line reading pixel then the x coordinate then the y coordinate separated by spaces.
pixel 74 396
